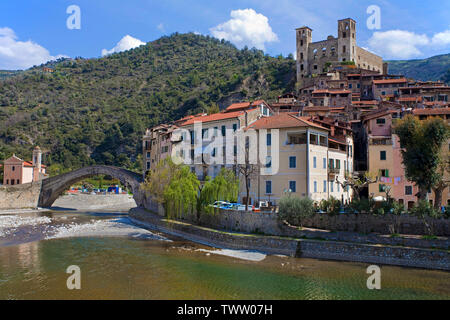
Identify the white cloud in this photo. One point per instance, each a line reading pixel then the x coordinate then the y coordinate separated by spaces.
pixel 19 55
pixel 126 43
pixel 160 27
pixel 246 28
pixel 441 38
pixel 398 43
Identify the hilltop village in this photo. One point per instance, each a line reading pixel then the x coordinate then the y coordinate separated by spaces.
pixel 337 124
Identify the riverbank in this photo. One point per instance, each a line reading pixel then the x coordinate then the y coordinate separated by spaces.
pixel 295 247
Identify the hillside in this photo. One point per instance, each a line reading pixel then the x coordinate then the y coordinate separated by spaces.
pixel 433 68
pixel 96 110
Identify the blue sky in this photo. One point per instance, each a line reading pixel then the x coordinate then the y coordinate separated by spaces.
pixel 35 30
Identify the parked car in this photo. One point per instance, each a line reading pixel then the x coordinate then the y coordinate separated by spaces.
pixel 219 204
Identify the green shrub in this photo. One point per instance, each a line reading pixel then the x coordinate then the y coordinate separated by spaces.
pixel 295 210
pixel 424 209
pixel 362 206
pixel 331 206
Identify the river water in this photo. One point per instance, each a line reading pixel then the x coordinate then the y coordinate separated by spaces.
pixel 121 261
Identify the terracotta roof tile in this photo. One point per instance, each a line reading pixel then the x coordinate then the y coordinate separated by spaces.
pixel 387 81
pixel 283 120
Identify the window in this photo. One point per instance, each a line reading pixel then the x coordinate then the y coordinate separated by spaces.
pixel 331 186
pixel 315 186
pixel 205 133
pixel 315 163
pixel 408 190
pixel 148 165
pixel 381 187
pixel 192 136
pixel 385 173
pixel 324 163
pixel 338 187
pixel 293 186
pixel 324 186
pixel 148 155
pixel 223 131
pixel 216 131
pixel 383 155
pixel 214 152
pixel 268 187
pixel 269 162
pixel 381 121
pixel 13 168
pixel 235 150
pixel 292 162
pixel 269 139
pixel 338 164
pixel 234 126
pixel 350 86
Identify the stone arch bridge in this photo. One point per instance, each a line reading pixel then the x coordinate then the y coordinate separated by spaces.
pixel 54 187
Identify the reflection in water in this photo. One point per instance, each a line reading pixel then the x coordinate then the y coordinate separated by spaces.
pixel 122 266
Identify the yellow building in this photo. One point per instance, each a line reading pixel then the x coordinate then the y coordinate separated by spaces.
pixel 303 159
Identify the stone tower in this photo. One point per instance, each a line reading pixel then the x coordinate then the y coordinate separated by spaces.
pixel 347 40
pixel 37 164
pixel 304 38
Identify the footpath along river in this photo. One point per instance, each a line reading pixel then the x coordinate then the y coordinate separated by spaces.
pixel 119 260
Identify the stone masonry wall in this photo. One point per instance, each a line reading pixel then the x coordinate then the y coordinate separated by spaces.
pixel 403 256
pixel 20 196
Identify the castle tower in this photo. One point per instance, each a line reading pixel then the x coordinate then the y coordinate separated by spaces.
pixel 304 38
pixel 347 40
pixel 37 163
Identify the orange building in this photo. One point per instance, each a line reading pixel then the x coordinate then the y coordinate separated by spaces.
pixel 18 171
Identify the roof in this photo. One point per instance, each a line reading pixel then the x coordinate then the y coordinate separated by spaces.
pixel 244 105
pixel 283 120
pixel 378 114
pixel 410 99
pixel 387 81
pixel 372 102
pixel 437 111
pixel 214 117
pixel 320 108
pixel 331 91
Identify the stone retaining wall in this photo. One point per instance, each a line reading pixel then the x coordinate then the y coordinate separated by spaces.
pixel 367 253
pixel 22 196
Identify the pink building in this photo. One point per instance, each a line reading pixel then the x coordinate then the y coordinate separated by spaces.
pixel 18 171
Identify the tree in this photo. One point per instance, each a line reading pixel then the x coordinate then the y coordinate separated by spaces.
pixel 295 210
pixel 214 108
pixel 446 77
pixel 421 143
pixel 249 172
pixel 181 193
pixel 173 186
pixel 358 183
pixel 224 187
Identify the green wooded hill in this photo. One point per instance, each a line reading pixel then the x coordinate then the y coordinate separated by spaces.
pixel 96 110
pixel 434 68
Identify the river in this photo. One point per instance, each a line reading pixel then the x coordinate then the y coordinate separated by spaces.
pixel 119 260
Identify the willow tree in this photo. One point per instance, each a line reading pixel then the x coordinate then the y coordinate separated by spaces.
pixel 422 144
pixel 158 180
pixel 224 187
pixel 180 196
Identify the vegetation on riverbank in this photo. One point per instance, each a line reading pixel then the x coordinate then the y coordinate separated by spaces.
pixel 181 193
